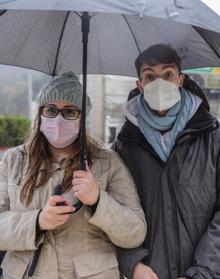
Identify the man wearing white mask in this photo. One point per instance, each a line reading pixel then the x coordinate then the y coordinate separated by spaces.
pixel 171 143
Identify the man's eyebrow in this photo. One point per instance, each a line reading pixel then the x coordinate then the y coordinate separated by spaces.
pixel 147 69
pixel 163 67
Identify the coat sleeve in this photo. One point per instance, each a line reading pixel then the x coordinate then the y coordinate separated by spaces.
pixel 207 254
pixel 17 229
pixel 129 258
pixel 119 213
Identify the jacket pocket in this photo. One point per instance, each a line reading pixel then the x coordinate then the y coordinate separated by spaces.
pixel 95 261
pixel 15 264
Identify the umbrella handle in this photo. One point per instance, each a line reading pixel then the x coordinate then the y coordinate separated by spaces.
pixel 58 192
pixel 59 189
pixel 77 206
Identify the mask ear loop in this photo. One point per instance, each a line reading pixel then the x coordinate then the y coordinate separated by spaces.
pixel 181 82
pixel 138 85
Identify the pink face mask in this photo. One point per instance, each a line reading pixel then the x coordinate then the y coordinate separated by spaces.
pixel 60 132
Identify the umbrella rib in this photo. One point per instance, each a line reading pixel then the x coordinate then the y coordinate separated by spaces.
pixel 197 29
pixel 59 44
pixel 132 33
pixel 2 12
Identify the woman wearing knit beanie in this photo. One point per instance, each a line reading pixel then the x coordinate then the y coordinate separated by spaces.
pixel 73 246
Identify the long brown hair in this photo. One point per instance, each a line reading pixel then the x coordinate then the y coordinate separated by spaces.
pixel 38 156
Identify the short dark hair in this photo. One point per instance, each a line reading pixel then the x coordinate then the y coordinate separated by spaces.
pixel 158 54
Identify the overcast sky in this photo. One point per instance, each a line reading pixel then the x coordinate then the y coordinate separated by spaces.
pixel 214 4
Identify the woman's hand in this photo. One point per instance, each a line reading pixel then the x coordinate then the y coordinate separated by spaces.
pixel 52 215
pixel 85 187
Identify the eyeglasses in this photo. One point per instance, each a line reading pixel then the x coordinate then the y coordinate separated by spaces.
pixel 67 113
pixel 169 75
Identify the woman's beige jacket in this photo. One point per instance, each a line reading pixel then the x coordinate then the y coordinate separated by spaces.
pixel 84 246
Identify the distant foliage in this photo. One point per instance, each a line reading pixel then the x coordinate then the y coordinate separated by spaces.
pixel 13 130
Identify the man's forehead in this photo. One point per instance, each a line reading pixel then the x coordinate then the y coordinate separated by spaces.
pixel 158 67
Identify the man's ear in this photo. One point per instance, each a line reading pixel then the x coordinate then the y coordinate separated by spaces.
pixel 182 77
pixel 139 85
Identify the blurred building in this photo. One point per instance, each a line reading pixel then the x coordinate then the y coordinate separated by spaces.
pixel 109 94
pixel 209 80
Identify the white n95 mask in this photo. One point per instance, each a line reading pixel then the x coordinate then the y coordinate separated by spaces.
pixel 161 94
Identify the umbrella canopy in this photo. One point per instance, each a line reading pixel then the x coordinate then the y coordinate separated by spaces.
pixel 50 41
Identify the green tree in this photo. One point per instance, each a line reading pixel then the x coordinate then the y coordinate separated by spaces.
pixel 13 130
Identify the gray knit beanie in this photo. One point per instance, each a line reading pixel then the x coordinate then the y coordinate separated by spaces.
pixel 65 87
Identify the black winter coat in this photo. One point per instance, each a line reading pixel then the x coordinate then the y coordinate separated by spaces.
pixel 180 199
